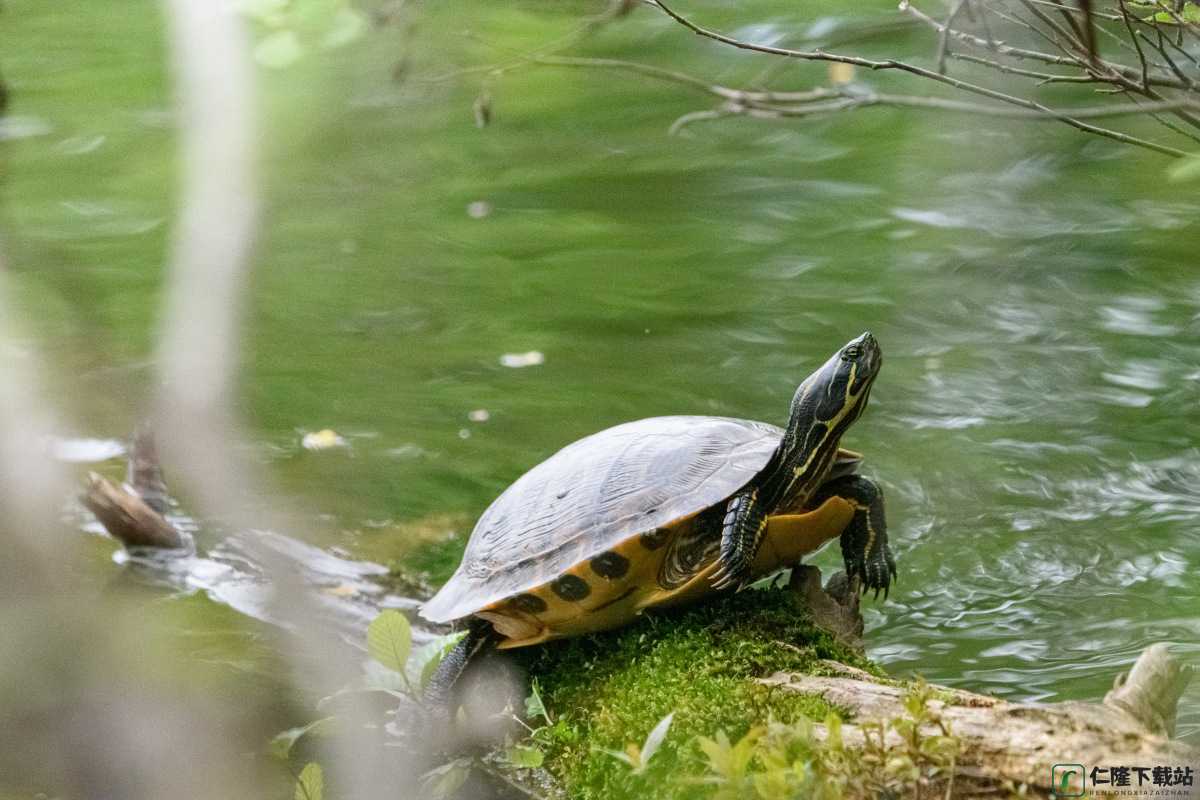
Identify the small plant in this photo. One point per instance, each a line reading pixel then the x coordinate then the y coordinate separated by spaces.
pixel 900 757
pixel 396 669
pixel 638 758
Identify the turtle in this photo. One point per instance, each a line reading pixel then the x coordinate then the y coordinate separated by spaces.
pixel 665 511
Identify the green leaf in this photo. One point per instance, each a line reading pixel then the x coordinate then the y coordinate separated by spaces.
pixel 534 707
pixel 389 640
pixel 282 744
pixel 265 12
pixel 447 779
pixel 654 740
pixel 625 758
pixel 311 785
pixel 314 15
pixel 1185 169
pixel 525 756
pixel 833 727
pixel 430 655
pixel 347 25
pixel 279 50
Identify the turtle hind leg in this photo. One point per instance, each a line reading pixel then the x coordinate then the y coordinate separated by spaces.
pixel 865 547
pixel 439 694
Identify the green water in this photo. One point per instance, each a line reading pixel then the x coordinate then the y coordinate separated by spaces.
pixel 1034 291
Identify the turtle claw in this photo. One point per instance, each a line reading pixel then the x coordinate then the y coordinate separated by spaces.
pixel 724 578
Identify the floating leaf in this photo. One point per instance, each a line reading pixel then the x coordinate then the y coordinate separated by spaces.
pixel 517 360
pixel 311 785
pixel 322 440
pixel 478 210
pixel 348 24
pixel 281 746
pixel 279 50
pixel 389 640
pixel 1185 169
pixel 525 756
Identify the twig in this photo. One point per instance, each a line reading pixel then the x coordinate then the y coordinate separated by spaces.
pixel 1023 53
pixel 1137 44
pixel 819 55
pixel 944 36
pixel 698 116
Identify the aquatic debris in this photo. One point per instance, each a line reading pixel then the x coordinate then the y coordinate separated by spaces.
pixel 323 440
pixel 479 209
pixel 85 451
pixel 517 360
pixel 479 415
pixel 23 128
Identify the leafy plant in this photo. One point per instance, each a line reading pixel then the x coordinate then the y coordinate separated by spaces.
pixel 281 746
pixel 395 669
pixel 638 758
pixel 292 28
pixel 900 757
pixel 729 762
pixel 389 641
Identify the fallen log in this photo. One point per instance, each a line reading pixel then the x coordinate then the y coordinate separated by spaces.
pixel 1013 744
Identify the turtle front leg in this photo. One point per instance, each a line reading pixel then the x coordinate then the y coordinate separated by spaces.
pixel 864 541
pixel 439 694
pixel 741 534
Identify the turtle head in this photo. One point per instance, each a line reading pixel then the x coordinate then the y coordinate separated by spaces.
pixel 828 402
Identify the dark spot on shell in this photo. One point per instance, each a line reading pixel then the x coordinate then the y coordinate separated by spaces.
pixel 571 587
pixel 529 603
pixel 652 540
pixel 610 565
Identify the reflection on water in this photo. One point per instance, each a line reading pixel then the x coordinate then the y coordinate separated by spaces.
pixel 1034 425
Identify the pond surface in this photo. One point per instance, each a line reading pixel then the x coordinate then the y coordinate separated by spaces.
pixel 1034 291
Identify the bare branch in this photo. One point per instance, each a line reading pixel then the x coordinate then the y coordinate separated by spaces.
pixel 891 64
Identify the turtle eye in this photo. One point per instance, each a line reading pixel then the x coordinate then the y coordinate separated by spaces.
pixel 850 353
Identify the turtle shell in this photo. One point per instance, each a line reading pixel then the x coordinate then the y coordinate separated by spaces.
pixel 596 493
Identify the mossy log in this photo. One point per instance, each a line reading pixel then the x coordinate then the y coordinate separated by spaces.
pixel 719 668
pixel 747 660
pixel 1007 744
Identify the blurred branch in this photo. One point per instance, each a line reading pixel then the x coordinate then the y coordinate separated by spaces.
pixel 197 358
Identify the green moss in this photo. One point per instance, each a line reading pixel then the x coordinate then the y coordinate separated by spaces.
pixel 608 690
